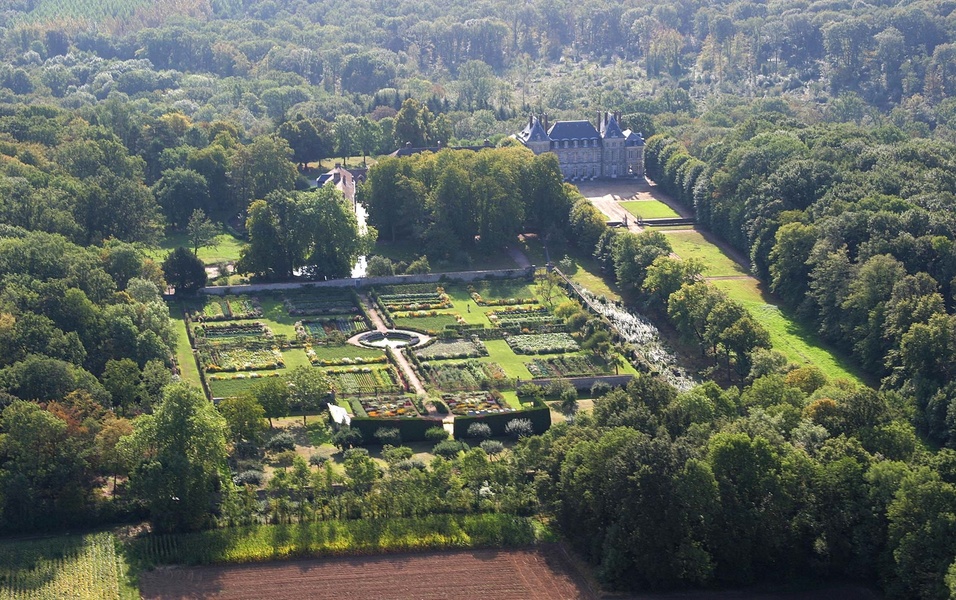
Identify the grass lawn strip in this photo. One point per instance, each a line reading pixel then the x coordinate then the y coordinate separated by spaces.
pixel 691 244
pixel 787 335
pixel 184 352
pixel 649 209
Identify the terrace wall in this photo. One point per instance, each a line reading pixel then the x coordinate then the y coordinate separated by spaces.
pixel 354 282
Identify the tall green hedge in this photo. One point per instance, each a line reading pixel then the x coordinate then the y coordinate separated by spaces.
pixel 540 418
pixel 411 430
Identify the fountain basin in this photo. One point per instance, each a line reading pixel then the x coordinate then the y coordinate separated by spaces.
pixel 393 338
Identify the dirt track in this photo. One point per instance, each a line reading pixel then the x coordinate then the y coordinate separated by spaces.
pixel 481 574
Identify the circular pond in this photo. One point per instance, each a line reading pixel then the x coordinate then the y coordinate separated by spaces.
pixel 392 338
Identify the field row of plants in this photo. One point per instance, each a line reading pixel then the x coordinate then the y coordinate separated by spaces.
pixel 568 365
pixel 85 566
pixel 240 359
pixel 364 381
pixel 227 308
pixel 542 343
pixel 525 316
pixel 453 348
pixel 470 375
pixel 331 538
pixel 480 403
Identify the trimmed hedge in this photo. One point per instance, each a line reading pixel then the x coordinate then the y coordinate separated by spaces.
pixel 411 430
pixel 540 418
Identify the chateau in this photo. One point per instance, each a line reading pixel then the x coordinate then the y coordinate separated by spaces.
pixel 586 152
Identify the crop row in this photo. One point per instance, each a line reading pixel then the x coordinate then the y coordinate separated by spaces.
pixel 475 403
pixel 470 375
pixel 453 348
pixel 363 380
pixel 571 365
pixel 227 308
pixel 241 359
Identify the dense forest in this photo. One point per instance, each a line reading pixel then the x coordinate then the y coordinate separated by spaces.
pixel 816 138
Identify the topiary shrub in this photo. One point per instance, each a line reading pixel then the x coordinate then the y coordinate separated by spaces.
pixel 388 436
pixel 479 430
pixel 492 447
pixel 449 448
pixel 436 434
pixel 519 428
pixel 410 464
pixel 317 460
pixel 280 442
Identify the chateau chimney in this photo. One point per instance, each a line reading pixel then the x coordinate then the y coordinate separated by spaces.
pixel 546 121
pixel 530 121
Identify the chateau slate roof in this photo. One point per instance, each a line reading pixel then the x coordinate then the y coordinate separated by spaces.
pixel 612 130
pixel 573 130
pixel 633 139
pixel 535 133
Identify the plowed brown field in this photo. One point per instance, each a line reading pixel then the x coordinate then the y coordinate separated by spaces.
pixel 540 574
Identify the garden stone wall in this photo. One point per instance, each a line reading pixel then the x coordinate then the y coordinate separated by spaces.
pixel 373 281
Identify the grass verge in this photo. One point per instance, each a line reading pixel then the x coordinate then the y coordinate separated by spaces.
pixel 650 209
pixel 789 336
pixel 332 538
pixel 691 244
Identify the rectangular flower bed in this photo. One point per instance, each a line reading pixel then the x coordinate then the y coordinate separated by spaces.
pixel 219 333
pixel 452 348
pixel 524 316
pixel 320 329
pixel 481 403
pixel 363 381
pixel 389 407
pixel 542 343
pixel 470 375
pixel 571 365
pixel 316 302
pixel 241 359
pixel 227 308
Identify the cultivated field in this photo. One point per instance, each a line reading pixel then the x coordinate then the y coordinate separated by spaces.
pixel 501 574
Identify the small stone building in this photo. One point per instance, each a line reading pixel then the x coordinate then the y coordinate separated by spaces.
pixel 585 151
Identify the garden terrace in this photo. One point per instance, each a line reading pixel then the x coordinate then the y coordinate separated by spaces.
pixel 227 308
pixel 469 375
pixel 480 403
pixel 542 343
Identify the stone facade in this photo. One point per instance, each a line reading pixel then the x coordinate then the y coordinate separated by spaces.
pixel 585 151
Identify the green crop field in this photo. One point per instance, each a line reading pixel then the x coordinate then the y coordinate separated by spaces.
pixel 787 335
pixel 691 244
pixel 79 566
pixel 649 209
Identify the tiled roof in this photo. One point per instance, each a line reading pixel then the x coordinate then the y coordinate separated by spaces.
pixel 573 130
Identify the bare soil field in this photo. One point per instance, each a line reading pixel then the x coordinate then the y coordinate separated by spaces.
pixel 538 574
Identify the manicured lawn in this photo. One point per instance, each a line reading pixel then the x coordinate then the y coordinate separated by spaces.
pixel 227 248
pixel 649 209
pixel 346 351
pixel 474 314
pixel 787 335
pixel 691 244
pixel 276 317
pixel 184 353
pixel 436 323
pixel 294 357
pixel 500 352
